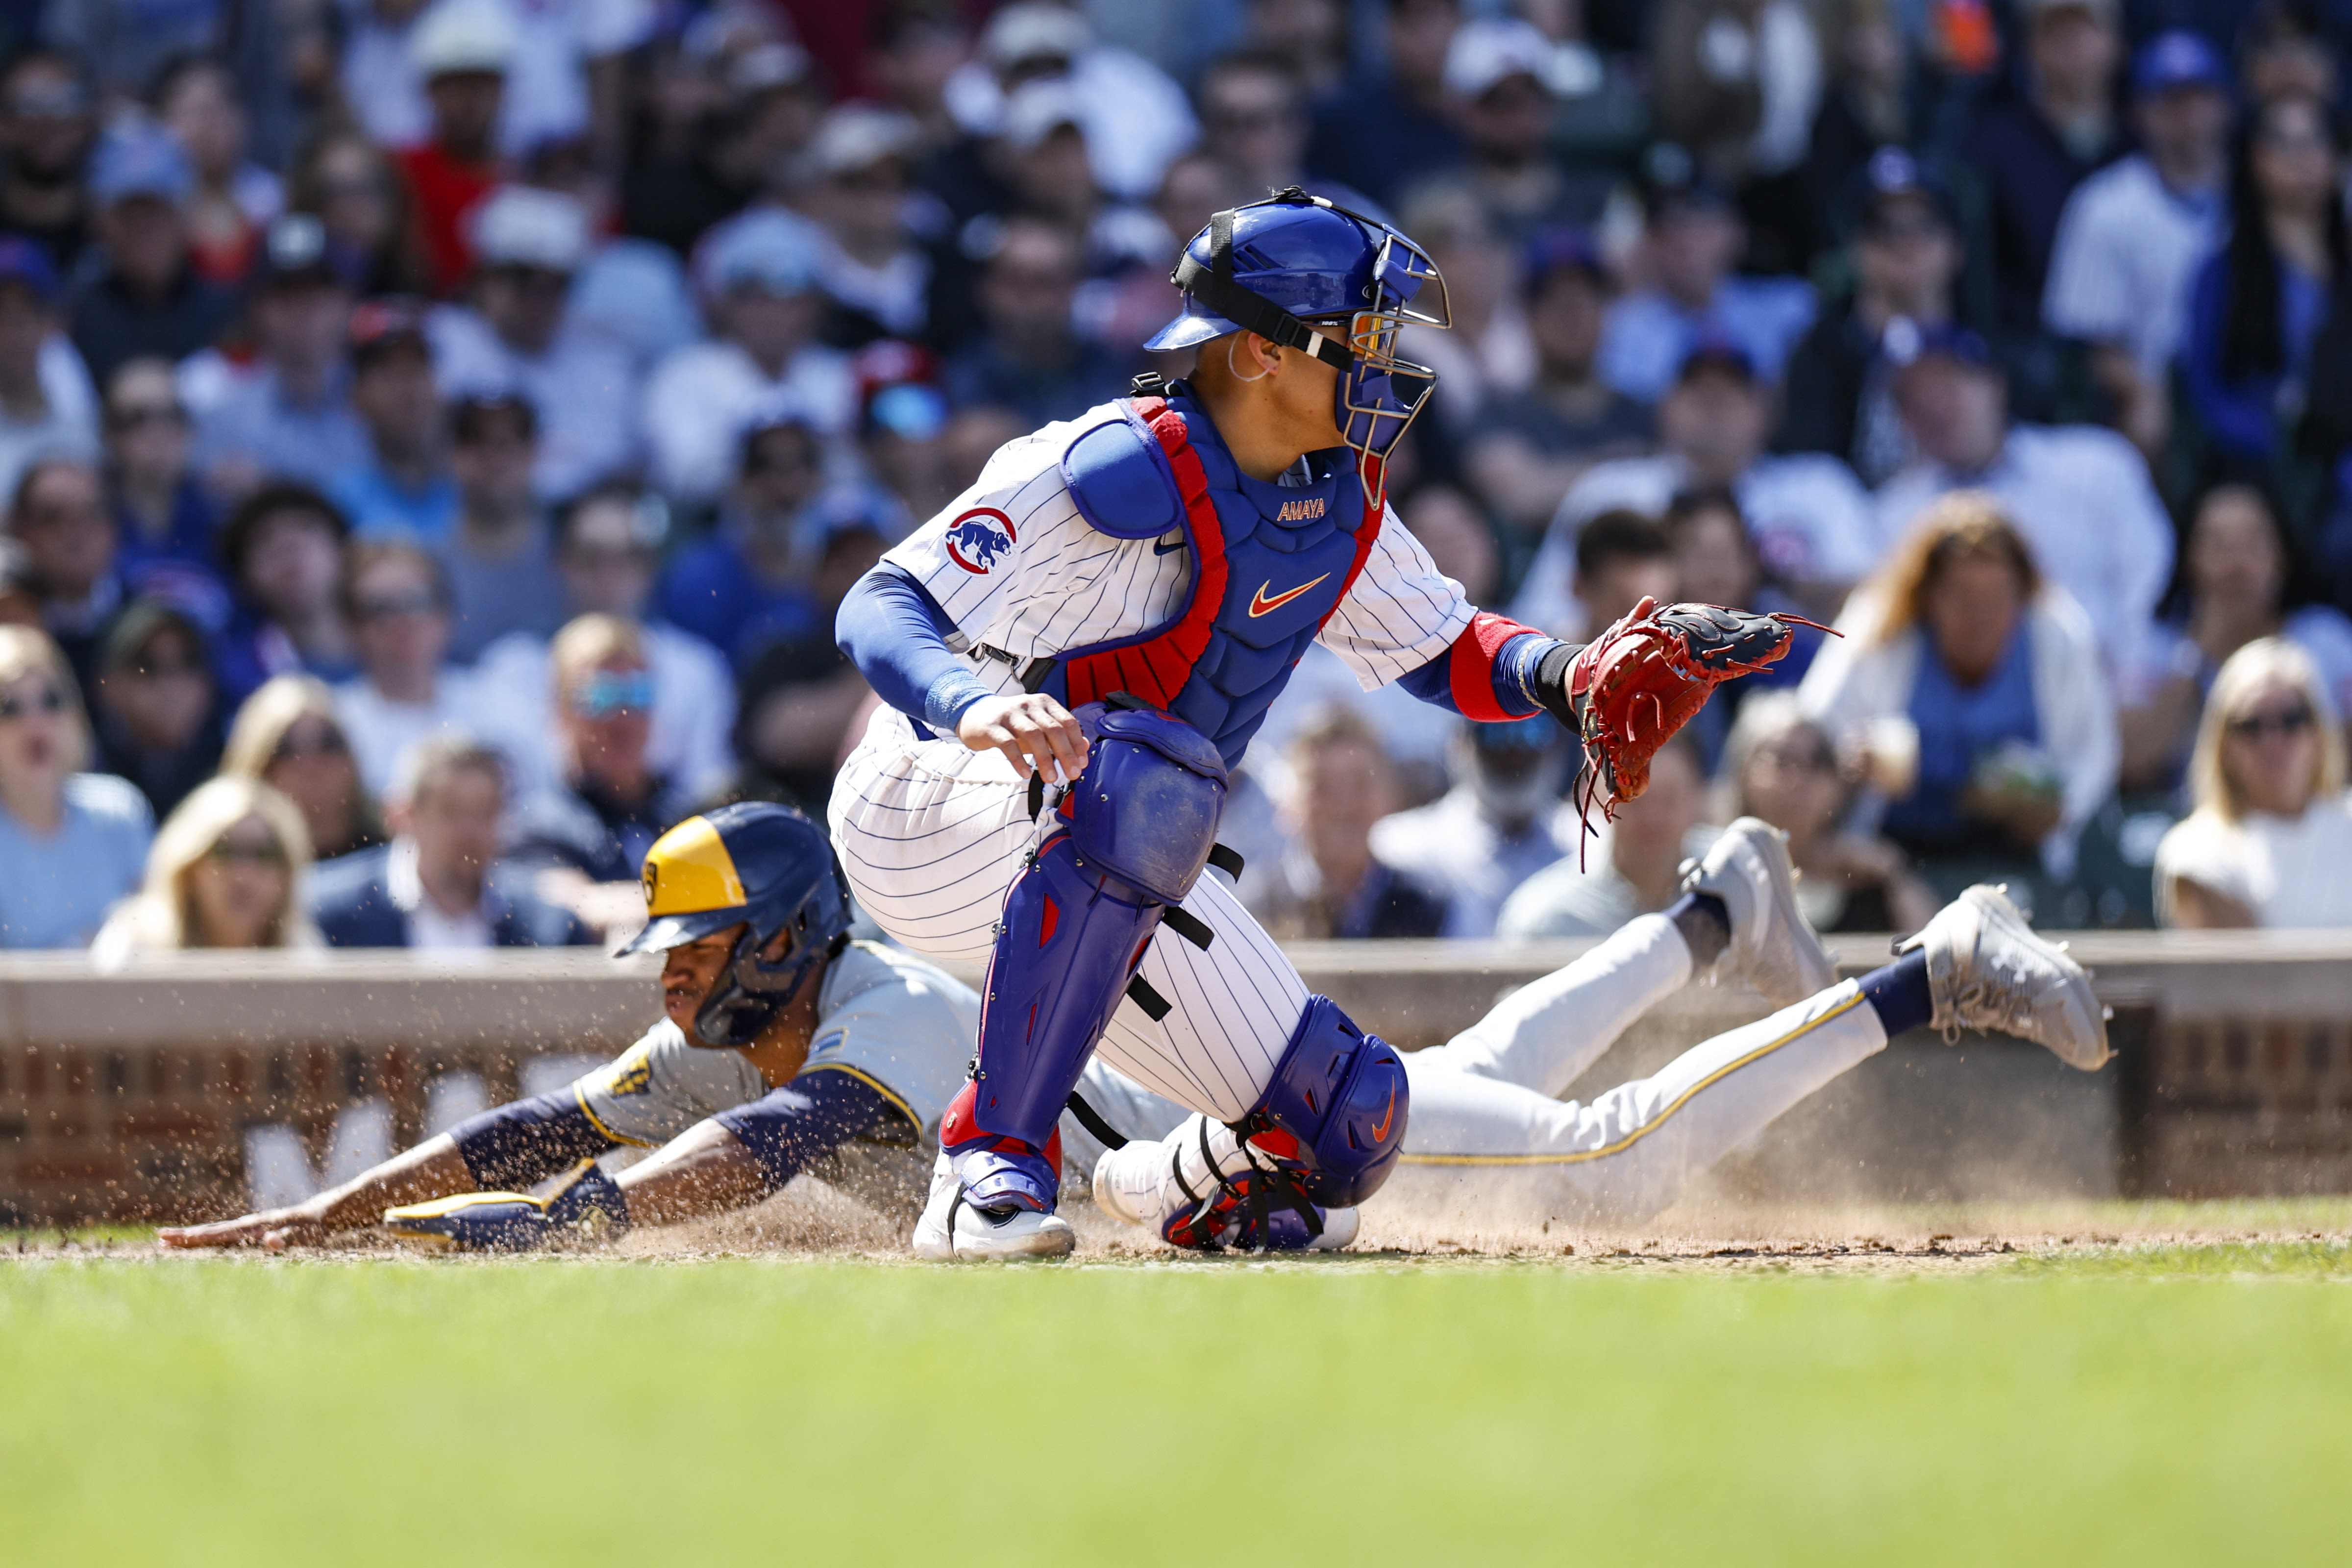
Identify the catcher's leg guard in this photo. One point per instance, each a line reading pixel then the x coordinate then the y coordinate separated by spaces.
pixel 1142 818
pixel 1336 1109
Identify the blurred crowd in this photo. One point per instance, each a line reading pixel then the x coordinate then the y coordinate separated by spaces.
pixel 435 437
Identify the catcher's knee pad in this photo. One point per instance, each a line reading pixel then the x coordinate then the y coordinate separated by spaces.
pixel 1142 818
pixel 1336 1107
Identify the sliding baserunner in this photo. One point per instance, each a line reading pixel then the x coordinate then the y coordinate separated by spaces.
pixel 1489 1135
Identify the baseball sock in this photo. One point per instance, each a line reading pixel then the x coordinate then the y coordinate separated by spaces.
pixel 1706 926
pixel 1899 994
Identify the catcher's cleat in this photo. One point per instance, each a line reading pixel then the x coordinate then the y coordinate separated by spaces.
pixel 1988 970
pixel 953 1230
pixel 1773 947
pixel 589 1203
pixel 1636 684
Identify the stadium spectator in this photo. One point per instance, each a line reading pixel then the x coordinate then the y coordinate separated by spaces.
pixel 156 712
pixel 287 736
pixel 757 275
pixel 501 554
pixel 71 842
pixel 2081 495
pixel 72 546
pixel 1810 522
pixel 673 188
pixel 1692 237
pixel 1505 80
pixel 876 275
pixel 48 128
pixel 749 582
pixel 2283 51
pixel 2008 723
pixel 1028 356
pixel 289 415
pixel 227 871
pixel 126 45
pixel 2028 150
pixel 1633 867
pixel 1501 823
pixel 1308 35
pixel 2259 302
pixel 2271 833
pixel 606 544
pixel 164 519
pixel 404 488
pixel 588 832
pixel 283 551
pixel 47 403
pixel 2239 582
pixel 345 182
pixel 1782 767
pixel 397 598
pixel 1528 446
pixel 1872 99
pixel 1485 353
pixel 1716 563
pixel 233 200
pixel 1739 83
pixel 515 340
pixel 2132 236
pixel 437 885
pixel 463 51
pixel 1332 882
pixel 1622 558
pixel 1382 132
pixel 1135 118
pixel 1253 121
pixel 20 591
pixel 901 430
pixel 143 297
pixel 1905 255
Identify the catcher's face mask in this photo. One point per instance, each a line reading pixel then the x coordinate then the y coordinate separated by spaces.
pixel 1379 395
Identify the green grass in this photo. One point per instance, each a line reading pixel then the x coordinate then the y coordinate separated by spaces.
pixel 2178 1405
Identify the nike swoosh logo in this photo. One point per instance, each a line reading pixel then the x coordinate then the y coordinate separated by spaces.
pixel 1261 606
pixel 1380 1133
pixel 1158 548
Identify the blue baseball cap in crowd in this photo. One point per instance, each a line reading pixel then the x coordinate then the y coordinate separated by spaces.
pixel 2176 59
pixel 23 261
pixel 140 161
pixel 1892 176
pixel 1715 353
pixel 774 251
pixel 1906 342
pixel 1562 248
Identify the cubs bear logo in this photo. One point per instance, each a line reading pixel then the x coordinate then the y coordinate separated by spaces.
pixel 979 540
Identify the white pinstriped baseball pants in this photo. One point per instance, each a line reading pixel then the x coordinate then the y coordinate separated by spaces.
pixel 1488 1139
pixel 932 834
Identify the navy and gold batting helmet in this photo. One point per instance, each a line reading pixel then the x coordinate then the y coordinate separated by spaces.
pixel 765 868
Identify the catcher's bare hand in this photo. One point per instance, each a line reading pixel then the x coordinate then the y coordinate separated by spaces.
pixel 1036 733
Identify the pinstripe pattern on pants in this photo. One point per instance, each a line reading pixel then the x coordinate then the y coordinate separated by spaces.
pixel 931 836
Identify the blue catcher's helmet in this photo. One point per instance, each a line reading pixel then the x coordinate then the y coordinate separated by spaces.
pixel 1287 266
pixel 765 868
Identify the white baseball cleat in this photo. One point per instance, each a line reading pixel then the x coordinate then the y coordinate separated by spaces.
pixel 1773 947
pixel 952 1231
pixel 1339 1227
pixel 1988 970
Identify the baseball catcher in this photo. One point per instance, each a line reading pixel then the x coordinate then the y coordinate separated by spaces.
pixel 1078 650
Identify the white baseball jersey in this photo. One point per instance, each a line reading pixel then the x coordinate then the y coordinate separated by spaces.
pixel 887 1017
pixel 1050 582
pixel 932 834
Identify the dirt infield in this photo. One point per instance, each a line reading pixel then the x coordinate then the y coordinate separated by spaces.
pixel 814 1221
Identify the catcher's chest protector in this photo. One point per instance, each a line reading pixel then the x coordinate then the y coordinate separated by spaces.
pixel 1270 565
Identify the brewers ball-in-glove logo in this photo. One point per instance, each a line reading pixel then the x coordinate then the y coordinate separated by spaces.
pixel 980 540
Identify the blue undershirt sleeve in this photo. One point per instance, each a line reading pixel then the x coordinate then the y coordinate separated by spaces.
pixel 896 636
pixel 1512 676
pixel 790 1128
pixel 511 1146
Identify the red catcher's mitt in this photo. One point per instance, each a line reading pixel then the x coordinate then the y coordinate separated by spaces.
pixel 1642 679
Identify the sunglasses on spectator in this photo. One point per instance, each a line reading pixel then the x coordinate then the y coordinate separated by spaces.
pixel 48 699
pixel 326 741
pixel 2292 721
pixel 397 606
pixel 139 415
pixel 1807 759
pixel 609 693
pixel 230 853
